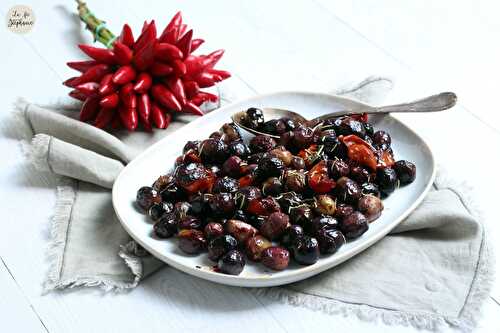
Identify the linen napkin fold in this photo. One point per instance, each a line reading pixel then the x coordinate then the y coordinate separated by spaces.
pixel 434 268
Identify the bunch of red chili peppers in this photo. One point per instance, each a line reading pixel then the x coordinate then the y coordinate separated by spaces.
pixel 145 80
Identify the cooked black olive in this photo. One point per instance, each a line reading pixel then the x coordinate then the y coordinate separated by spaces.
pixel 220 245
pixel 322 222
pixel 288 200
pixel 189 222
pixel 222 204
pixel 172 193
pixel 262 144
pixel 286 140
pixel 298 163
pixel 306 250
pixel 181 209
pixel 192 241
pixel 343 210
pixel 338 168
pixel 283 154
pixel 255 246
pixel 406 171
pixel 354 225
pixel 368 129
pixel 166 226
pixel 230 132
pixel 270 166
pixel 213 230
pixel 276 258
pixel 275 225
pixel 225 184
pixel 216 135
pixel 348 190
pixel 272 186
pixel 371 207
pixel 303 137
pixel 291 233
pixel 240 230
pixel 231 263
pixel 238 148
pixel 330 240
pixel 274 126
pixel 387 180
pixel 360 174
pixel 213 151
pixel 370 188
pixel 290 123
pixel 194 177
pixel 257 221
pixel 146 197
pixel 301 215
pixel 348 125
pixel 245 194
pixel 254 118
pixel 255 158
pixel 191 145
pixel 324 204
pixel 239 214
pixel 215 169
pixel 381 138
pixel 161 182
pixel 295 181
pixel 158 209
pixel 232 166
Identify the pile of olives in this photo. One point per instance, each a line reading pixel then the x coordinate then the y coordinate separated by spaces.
pixel 275 200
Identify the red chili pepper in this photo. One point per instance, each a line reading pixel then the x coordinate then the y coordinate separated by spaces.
pixel 110 102
pixel 360 151
pixel 89 108
pixel 82 66
pixel 206 80
pixel 192 108
pixel 168 119
pixel 123 53
pixel 105 56
pixel 165 97
pixel 158 116
pixel 128 97
pixel 194 65
pixel 165 51
pixel 104 117
pixel 213 58
pixel 129 118
pixel 71 82
pixel 177 88
pixel 318 178
pixel 160 69
pixel 171 32
pixel 127 37
pixel 116 122
pixel 124 75
pixel 144 57
pixel 77 95
pixel 93 74
pixel 222 74
pixel 88 88
pixel 182 29
pixel 191 88
pixel 196 43
pixel 143 83
pixel 184 44
pixel 147 36
pixel 179 67
pixel 106 85
pixel 144 108
pixel 206 96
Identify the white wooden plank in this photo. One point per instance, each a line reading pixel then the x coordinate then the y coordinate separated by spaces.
pixel 16 312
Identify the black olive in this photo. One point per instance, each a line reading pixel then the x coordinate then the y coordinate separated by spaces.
pixel 191 145
pixel 239 148
pixel 360 174
pixel 193 177
pixel 272 186
pixel 146 197
pixel 295 181
pixel 232 166
pixel 303 137
pixel 343 210
pixel 291 233
pixel 157 210
pixel 370 188
pixel 257 221
pixel 290 123
pixel 245 194
pixel 276 258
pixel 348 190
pixel 368 129
pixel 192 241
pixel 301 215
pixel 406 171
pixel 162 182
pixel 381 138
pixel 222 204
pixel 387 180
pixel 306 250
pixel 371 207
pixel 288 200
pixel 330 240
pixel 182 209
pixel 230 132
pixel 255 158
pixel 232 263
pixel 322 222
pixel 348 125
pixel 172 193
pixel 262 144
pixel 354 225
pixel 274 126
pixel 189 222
pixel 219 246
pixel 338 168
pixel 270 166
pixel 275 225
pixel 298 163
pixel 225 184
pixel 166 226
pixel 213 151
pixel 254 118
pixel 240 215
pixel 213 230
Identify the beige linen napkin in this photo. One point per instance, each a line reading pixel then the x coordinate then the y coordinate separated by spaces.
pixel 434 268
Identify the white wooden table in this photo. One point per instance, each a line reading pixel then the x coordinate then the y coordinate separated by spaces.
pixel 424 46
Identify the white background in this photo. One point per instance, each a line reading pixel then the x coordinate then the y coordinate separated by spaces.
pixel 425 46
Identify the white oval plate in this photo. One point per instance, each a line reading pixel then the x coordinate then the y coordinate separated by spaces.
pixel 159 159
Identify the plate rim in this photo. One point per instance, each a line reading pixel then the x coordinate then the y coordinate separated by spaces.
pixel 305 271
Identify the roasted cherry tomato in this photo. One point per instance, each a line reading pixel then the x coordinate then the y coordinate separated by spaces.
pixel 360 151
pixel 318 178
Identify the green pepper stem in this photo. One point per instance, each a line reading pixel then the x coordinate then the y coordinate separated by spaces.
pixel 95 26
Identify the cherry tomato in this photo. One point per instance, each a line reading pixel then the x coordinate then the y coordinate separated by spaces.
pixel 318 178
pixel 360 151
